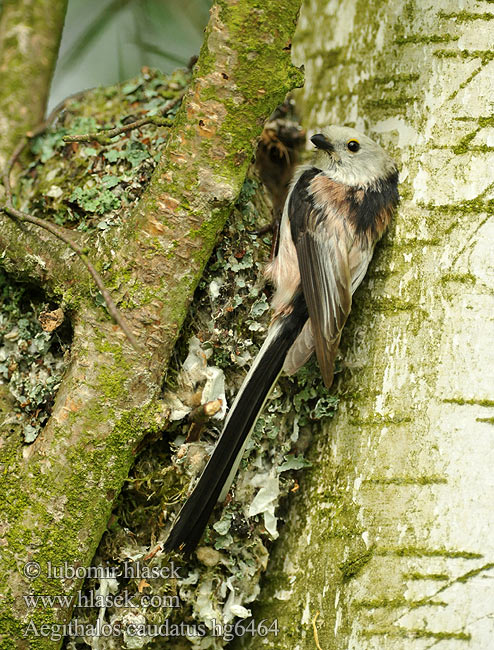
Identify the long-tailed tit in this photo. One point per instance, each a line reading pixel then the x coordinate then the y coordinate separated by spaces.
pixel 337 208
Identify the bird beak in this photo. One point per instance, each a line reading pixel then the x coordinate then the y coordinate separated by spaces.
pixel 321 142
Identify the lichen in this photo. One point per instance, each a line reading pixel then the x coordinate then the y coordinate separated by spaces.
pixel 32 361
pixel 94 187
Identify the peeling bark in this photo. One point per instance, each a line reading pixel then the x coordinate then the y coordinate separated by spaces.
pixel 58 493
pixel 390 540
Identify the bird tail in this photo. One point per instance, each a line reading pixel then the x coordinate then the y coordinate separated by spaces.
pixel 220 470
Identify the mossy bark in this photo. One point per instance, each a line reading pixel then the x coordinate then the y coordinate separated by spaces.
pixel 30 34
pixel 57 494
pixel 390 540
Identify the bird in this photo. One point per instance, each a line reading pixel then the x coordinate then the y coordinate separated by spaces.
pixel 337 208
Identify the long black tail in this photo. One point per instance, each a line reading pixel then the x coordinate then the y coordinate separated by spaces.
pixel 221 468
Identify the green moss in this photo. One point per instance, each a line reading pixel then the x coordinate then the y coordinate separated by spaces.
pixel 461 278
pixel 465 16
pixel 486 121
pixel 121 364
pixel 417 551
pixel 407 480
pixel 484 55
pixel 407 633
pixel 111 382
pixel 488 403
pixel 464 145
pixel 410 12
pixel 426 39
pixel 354 565
pixel 379 421
pixel 438 577
pixel 171 248
pixel 390 304
pixel 477 206
pixel 475 572
pixel 393 603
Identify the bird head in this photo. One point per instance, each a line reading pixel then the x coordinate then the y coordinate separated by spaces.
pixel 350 157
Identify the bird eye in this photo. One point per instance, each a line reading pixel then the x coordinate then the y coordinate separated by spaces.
pixel 353 146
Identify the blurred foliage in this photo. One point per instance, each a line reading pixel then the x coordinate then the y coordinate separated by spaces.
pixel 107 42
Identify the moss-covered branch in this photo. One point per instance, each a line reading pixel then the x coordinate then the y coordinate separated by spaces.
pixel 57 496
pixel 34 255
pixel 30 34
pixel 243 72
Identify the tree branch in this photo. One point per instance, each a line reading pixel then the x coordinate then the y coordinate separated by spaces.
pixel 30 34
pixel 173 230
pixel 104 136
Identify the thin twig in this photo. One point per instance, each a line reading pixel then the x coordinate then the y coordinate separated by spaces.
pixel 60 233
pixel 316 636
pixel 104 136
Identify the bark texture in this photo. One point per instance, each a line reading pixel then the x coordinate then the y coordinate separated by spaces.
pixel 390 541
pixel 57 493
pixel 30 34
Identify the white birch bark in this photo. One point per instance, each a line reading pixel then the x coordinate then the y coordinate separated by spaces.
pixel 391 536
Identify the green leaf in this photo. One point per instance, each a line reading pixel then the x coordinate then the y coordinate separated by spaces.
pixel 46 146
pixel 112 155
pixel 259 307
pixel 89 152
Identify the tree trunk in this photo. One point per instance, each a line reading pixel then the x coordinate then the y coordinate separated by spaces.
pixel 390 540
pixel 57 493
pixel 30 34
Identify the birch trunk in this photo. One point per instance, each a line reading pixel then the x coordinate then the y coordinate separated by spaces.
pixel 390 540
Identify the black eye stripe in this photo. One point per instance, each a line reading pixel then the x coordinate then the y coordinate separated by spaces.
pixel 353 146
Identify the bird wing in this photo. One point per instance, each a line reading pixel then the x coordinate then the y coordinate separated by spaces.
pixel 303 347
pixel 323 241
